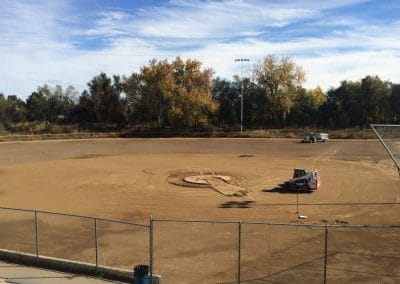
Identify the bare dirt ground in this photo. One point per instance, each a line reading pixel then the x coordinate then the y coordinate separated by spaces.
pixel 128 179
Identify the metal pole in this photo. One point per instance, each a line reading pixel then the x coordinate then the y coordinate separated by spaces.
pixel 239 250
pixel 96 241
pixel 241 92
pixel 151 247
pixel 241 96
pixel 326 253
pixel 386 147
pixel 37 236
pixel 241 109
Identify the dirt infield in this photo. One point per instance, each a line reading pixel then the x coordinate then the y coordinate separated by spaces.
pixel 130 179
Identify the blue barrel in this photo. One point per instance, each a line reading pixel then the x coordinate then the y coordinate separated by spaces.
pixel 141 274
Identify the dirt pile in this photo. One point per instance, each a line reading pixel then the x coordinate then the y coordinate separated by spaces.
pixel 223 183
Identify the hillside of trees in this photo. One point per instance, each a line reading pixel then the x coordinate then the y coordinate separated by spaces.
pixel 181 95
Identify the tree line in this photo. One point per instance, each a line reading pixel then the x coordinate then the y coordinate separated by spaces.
pixel 182 95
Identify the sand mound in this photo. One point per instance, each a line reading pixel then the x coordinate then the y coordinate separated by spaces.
pixel 206 179
pixel 224 183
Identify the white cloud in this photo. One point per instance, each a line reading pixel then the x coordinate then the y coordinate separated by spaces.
pixel 109 24
pixel 38 40
pixel 211 19
pixel 328 71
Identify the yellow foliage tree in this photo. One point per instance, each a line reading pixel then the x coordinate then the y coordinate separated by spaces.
pixel 281 79
pixel 178 93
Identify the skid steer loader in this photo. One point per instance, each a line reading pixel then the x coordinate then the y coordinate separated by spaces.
pixel 303 180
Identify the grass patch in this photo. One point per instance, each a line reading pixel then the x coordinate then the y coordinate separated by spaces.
pixel 29 131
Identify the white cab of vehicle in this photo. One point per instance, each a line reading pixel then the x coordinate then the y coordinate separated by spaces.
pixel 322 137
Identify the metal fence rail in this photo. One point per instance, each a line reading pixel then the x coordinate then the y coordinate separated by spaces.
pixel 201 251
pixel 385 137
pixel 99 241
pixel 264 252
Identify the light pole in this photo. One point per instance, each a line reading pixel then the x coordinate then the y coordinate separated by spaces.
pixel 241 60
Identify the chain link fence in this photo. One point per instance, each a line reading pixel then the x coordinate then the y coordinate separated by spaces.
pixel 195 252
pixel 369 254
pixel 97 241
pixel 189 251
pixel 121 244
pixel 17 230
pixel 282 253
pixel 251 252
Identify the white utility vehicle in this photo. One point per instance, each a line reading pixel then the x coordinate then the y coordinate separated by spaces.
pixel 321 137
pixel 304 180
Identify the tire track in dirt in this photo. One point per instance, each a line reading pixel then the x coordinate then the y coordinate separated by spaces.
pixel 320 160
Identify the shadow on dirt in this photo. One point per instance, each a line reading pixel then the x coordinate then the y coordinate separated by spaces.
pixel 237 204
pixel 282 188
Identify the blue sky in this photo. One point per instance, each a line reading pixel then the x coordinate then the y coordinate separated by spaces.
pixel 67 42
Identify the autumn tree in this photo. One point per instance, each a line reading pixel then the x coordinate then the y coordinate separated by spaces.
pixel 281 80
pixel 157 89
pixel 177 94
pixel 192 102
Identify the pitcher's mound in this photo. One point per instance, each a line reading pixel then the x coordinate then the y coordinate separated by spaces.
pixel 221 182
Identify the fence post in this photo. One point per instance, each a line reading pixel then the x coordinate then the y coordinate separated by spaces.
pixel 239 250
pixel 37 235
pixel 326 253
pixel 96 243
pixel 151 248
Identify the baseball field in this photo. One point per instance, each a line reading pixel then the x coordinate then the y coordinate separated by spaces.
pixel 131 179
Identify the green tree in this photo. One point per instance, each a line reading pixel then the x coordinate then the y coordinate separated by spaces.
pixel 83 111
pixel 342 108
pixel 226 94
pixel 59 103
pixel 105 99
pixel 15 109
pixel 132 102
pixel 373 96
pixel 36 106
pixel 3 109
pixel 50 104
pixel 395 103
pixel 305 111
pixel 281 80
pixel 256 110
